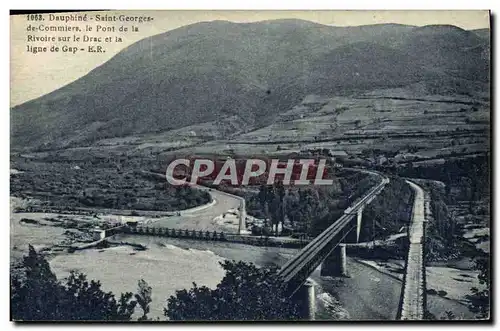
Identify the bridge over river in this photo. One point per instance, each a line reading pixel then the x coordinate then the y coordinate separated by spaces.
pixel 328 251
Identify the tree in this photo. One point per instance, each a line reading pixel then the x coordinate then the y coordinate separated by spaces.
pixel 39 296
pixel 143 298
pixel 86 301
pixel 479 300
pixel 281 193
pixel 262 197
pixel 245 293
pixel 271 201
pixel 30 297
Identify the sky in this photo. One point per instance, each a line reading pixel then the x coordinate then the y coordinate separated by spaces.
pixel 33 75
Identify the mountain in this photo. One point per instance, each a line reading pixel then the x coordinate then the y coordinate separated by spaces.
pixel 449 50
pixel 363 65
pixel 483 33
pixel 214 70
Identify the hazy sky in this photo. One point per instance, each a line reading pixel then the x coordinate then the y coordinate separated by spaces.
pixel 33 75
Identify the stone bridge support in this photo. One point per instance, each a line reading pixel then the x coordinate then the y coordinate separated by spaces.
pixel 335 264
pixel 305 297
pixel 242 213
pixel 359 219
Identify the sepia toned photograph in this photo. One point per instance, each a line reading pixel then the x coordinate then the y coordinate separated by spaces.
pixel 215 166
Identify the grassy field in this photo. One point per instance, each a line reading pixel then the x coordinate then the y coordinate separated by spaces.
pixel 390 121
pixel 106 183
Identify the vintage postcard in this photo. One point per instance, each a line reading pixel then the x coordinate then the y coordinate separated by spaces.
pixel 250 166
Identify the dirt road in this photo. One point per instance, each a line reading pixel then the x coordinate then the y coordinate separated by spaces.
pixel 205 218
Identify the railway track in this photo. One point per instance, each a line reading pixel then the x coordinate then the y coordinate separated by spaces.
pixel 321 246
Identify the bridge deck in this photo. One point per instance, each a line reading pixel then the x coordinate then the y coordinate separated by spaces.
pixel 413 302
pixel 296 270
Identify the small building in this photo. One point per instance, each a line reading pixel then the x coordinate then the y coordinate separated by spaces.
pixel 98 233
pixel 131 223
pixel 337 153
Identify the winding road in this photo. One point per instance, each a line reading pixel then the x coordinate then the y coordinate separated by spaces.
pixel 203 217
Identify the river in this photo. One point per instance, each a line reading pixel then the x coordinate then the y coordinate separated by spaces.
pixel 171 264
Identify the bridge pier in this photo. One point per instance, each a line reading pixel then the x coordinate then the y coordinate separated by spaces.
pixel 242 212
pixel 359 219
pixel 306 299
pixel 335 264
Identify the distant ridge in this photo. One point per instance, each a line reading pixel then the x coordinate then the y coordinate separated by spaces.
pixel 252 71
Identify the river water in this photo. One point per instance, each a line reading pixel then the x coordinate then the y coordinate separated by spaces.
pixel 171 264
